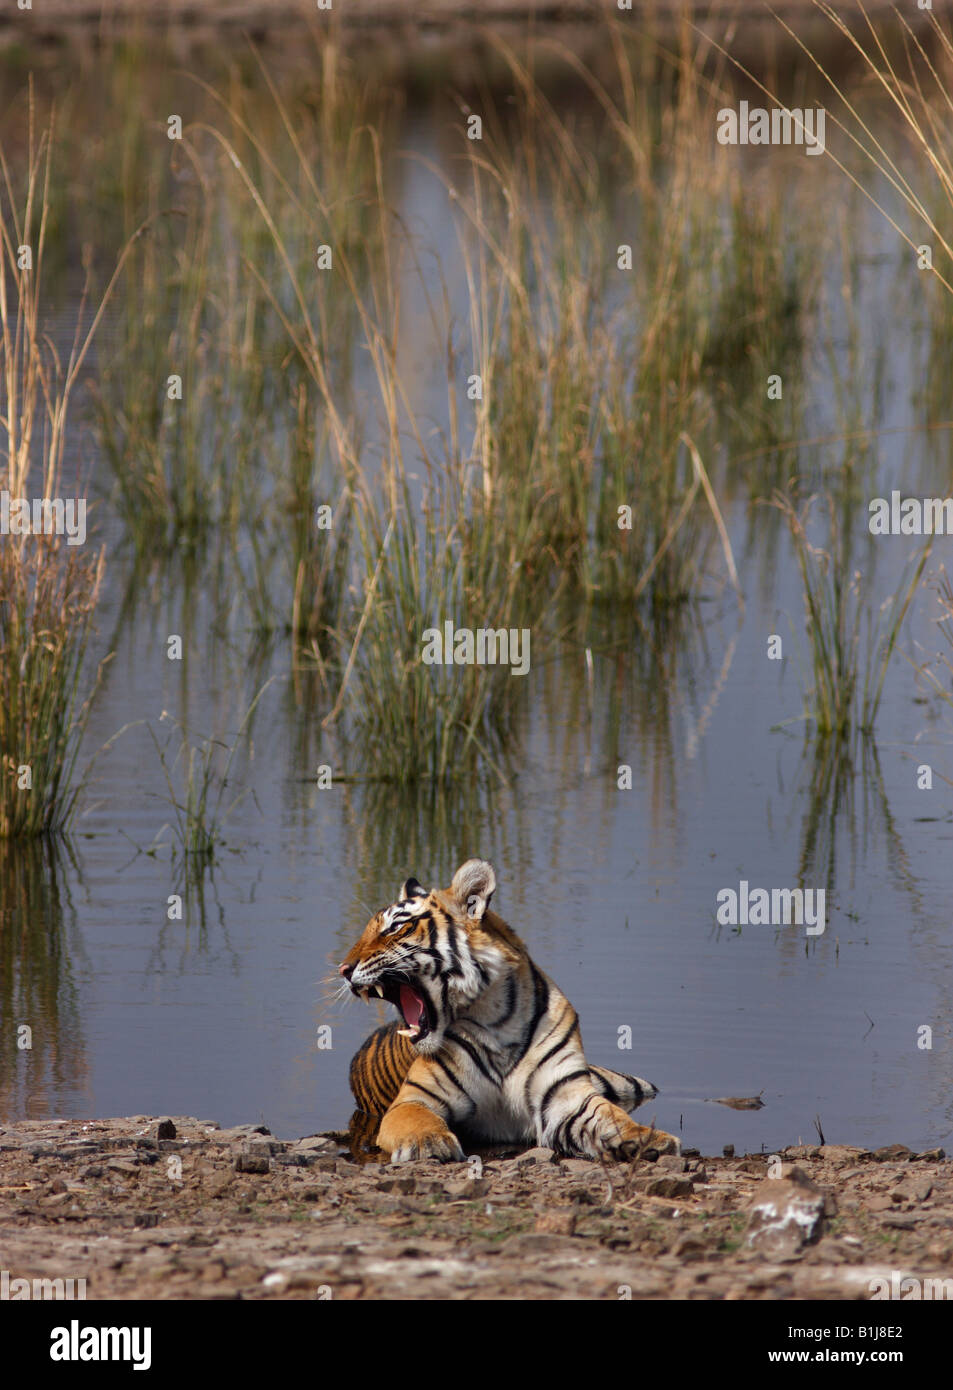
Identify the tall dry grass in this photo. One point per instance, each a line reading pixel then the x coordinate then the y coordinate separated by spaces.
pixel 48 590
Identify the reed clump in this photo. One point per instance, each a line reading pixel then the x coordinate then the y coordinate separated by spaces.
pixel 48 589
pixel 850 645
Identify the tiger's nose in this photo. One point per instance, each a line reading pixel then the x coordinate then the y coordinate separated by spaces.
pixel 346 970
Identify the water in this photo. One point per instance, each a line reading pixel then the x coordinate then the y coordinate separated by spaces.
pixel 614 891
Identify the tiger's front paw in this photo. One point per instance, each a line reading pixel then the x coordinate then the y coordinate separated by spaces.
pixel 637 1141
pixel 410 1133
pixel 614 1135
pixel 445 1148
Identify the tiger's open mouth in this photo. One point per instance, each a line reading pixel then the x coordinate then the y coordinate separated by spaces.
pixel 414 1006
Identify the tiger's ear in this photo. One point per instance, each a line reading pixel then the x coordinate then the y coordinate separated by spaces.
pixel 473 886
pixel 411 889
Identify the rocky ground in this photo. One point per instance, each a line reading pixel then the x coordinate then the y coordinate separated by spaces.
pixel 174 1209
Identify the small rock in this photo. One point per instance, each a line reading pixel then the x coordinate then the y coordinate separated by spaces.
pixel 580 1167
pixel 892 1153
pixel 672 1163
pixel 912 1190
pixel 259 1148
pixel 315 1143
pixel 120 1165
pixel 790 1172
pixel 879 1202
pixel 900 1222
pixel 843 1154
pixel 243 1132
pixel 405 1185
pixel 665 1187
pixel 469 1188
pixel 690 1246
pixel 932 1155
pixel 533 1156
pixel 728 1151
pixel 786 1213
pixel 795 1151
pixel 560 1221
pixel 252 1163
pixel 165 1129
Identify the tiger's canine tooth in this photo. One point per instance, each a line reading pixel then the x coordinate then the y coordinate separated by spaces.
pixel 380 992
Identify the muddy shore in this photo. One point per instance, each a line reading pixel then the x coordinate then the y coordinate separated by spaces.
pixel 187 1210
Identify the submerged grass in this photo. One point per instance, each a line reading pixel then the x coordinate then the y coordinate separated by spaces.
pixel 48 589
pixel 196 778
pixel 575 463
pixel 559 415
pixel 850 646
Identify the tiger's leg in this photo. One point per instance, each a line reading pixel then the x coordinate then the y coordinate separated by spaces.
pixel 416 1125
pixel 574 1118
pixel 411 1131
pixel 623 1090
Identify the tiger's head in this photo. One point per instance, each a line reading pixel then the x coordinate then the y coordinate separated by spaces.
pixel 432 953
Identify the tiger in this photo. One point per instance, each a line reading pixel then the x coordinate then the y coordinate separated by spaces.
pixel 487 1049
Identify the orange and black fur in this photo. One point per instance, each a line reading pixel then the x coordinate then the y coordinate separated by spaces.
pixel 488 1049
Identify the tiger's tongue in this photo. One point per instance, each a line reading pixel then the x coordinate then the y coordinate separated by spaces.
pixel 411 1006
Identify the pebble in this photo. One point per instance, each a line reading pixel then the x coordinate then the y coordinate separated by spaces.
pixel 786 1213
pixel 892 1153
pixel 912 1190
pixel 559 1222
pixel 251 1163
pixel 842 1154
pixel 533 1156
pixel 665 1187
pixel 672 1163
pixel 315 1143
pixel 580 1167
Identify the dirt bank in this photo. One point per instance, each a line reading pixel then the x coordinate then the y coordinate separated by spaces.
pixel 218 1214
